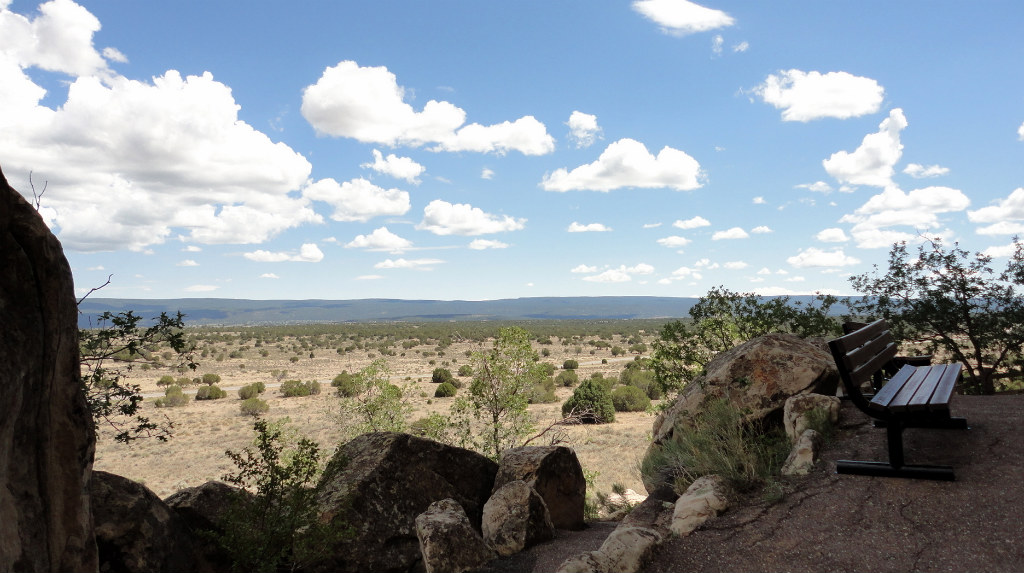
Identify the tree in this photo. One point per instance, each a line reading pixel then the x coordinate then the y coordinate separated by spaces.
pixel 441 375
pixel 499 394
pixel 378 405
pixel 593 398
pixel 954 302
pixel 721 319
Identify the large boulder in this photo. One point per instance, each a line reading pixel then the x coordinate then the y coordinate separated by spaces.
pixel 378 483
pixel 448 542
pixel 515 518
pixel 137 532
pixel 204 509
pixel 757 377
pixel 555 473
pixel 47 438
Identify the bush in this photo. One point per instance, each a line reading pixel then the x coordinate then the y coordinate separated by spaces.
pixel 293 388
pixel 542 392
pixel 211 392
pixel 547 369
pixel 465 370
pixel 570 365
pixel 630 399
pixel 441 375
pixel 249 391
pixel 211 378
pixel 592 401
pixel 173 397
pixel 642 379
pixel 346 385
pixel 445 390
pixel 254 407
pixel 567 378
pixel 165 380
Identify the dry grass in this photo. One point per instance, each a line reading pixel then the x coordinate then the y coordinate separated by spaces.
pixel 205 429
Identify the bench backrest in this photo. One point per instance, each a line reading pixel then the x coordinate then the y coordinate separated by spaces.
pixel 861 354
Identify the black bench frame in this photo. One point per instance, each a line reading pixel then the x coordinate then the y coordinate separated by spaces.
pixel 915 397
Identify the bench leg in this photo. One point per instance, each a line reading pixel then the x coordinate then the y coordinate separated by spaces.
pixel 895 467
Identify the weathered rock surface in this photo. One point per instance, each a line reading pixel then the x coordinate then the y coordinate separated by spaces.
pixel 803 455
pixel 704 499
pixel 448 542
pixel 625 551
pixel 758 377
pixel 203 509
pixel 516 517
pixel 137 532
pixel 795 413
pixel 384 481
pixel 555 473
pixel 46 429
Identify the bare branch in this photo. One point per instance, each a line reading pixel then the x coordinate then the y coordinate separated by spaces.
pixel 37 198
pixel 559 436
pixel 94 289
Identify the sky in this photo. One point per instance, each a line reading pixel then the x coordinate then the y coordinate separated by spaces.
pixel 460 150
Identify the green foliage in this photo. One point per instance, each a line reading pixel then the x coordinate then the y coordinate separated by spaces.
pixel 246 392
pixel 293 388
pixel 445 390
pixel 952 301
pixel 465 370
pixel 441 375
pixel 718 441
pixel 109 353
pixel 570 364
pixel 642 379
pixel 253 407
pixel 820 421
pixel 379 406
pixel 567 378
pixel 592 402
pixel 722 319
pixel 271 525
pixel 618 351
pixel 346 385
pixel 434 427
pixel 543 392
pixel 209 378
pixel 630 399
pixel 211 392
pixel 165 380
pixel 173 397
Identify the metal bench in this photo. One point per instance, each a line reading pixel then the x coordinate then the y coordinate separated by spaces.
pixel 914 397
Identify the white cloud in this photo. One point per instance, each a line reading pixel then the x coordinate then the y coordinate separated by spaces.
pixel 741 47
pixel 681 17
pixel 187 263
pixel 583 129
pixel 918 171
pixel 814 257
pixel 627 163
pixel 640 269
pixel 482 244
pixel 610 276
pixel 444 218
pixel 1002 228
pixel 764 271
pixel 201 288
pixel 871 163
pixel 358 199
pixel 686 273
pixel 575 227
pixel 651 225
pixel 114 55
pixel 759 201
pixel 1000 250
pixel 761 230
pixel 59 39
pixel 832 235
pixel 797 279
pixel 716 44
pixel 397 167
pixel 781 291
pixel 1009 209
pixel 369 277
pixel 487 173
pixel 1020 132
pixel 917 209
pixel 692 223
pixel 367 104
pixel 674 242
pixel 583 269
pixel 380 239
pixel 817 187
pixel 419 264
pixel 735 265
pixel 308 253
pixel 192 249
pixel 733 233
pixel 705 263
pixel 806 96
pixel 269 276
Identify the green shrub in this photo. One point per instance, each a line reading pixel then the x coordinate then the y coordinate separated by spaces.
pixel 253 407
pixel 293 388
pixel 570 365
pixel 211 378
pixel 465 370
pixel 441 375
pixel 630 399
pixel 346 385
pixel 592 402
pixel 642 379
pixel 260 387
pixel 542 393
pixel 173 397
pixel 165 380
pixel 211 392
pixel 567 378
pixel 445 390
pixel 547 369
pixel 248 391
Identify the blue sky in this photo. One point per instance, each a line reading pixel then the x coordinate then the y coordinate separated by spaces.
pixel 483 150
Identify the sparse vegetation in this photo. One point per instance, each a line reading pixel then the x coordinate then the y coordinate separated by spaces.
pixel 173 397
pixel 593 398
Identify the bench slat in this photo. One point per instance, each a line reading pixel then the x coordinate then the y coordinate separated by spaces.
pixel 859 338
pixel 929 377
pixel 884 396
pixel 944 391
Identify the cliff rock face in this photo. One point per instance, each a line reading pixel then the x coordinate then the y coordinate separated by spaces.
pixel 46 430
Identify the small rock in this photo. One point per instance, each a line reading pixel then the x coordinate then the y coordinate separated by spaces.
pixel 515 518
pixel 448 542
pixel 555 473
pixel 803 455
pixel 704 499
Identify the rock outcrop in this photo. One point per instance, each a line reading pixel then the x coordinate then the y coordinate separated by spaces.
pixel 46 429
pixel 803 455
pixel 555 473
pixel 378 483
pixel 516 517
pixel 204 509
pixel 136 532
pixel 448 542
pixel 796 412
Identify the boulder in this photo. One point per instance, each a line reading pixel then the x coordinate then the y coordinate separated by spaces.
pixel 757 377
pixel 448 542
pixel 204 508
pixel 704 499
pixel 137 532
pixel 795 413
pixel 803 455
pixel 47 438
pixel 378 483
pixel 555 473
pixel 516 517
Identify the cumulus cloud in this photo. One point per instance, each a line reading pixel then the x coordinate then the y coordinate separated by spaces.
pixel 735 265
pixel 741 47
pixel 1002 217
pixel 683 273
pixel 761 230
pixel 444 218
pixel 692 223
pixel 832 235
pixel 583 129
pixel 682 17
pixel 369 277
pixel 367 104
pixel 918 171
pixel 59 39
pixel 418 264
pixel 482 244
pixel 487 173
pixel 733 233
pixel 575 227
pixel 620 274
pixel 628 163
pixel 581 268
pixel 814 257
pixel 380 239
pixel 187 263
pixel 806 96
pixel 1020 132
pixel 651 225
pixel 269 276
pixel 358 200
pixel 817 187
pixel 308 253
pixel 759 201
pixel 917 209
pixel 201 288
pixel 397 167
pixel 871 163
pixel 674 242
pixel 1000 250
